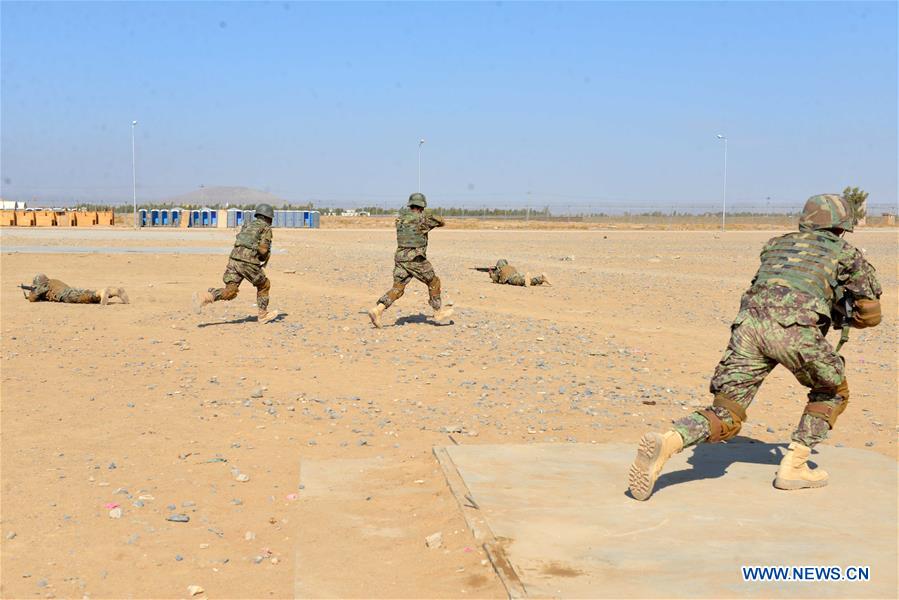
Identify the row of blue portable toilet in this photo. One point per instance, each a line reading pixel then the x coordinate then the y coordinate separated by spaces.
pixel 283 218
pixel 160 217
pixel 175 217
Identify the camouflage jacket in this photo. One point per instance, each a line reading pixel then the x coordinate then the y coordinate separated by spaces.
pixel 254 243
pixel 428 222
pixel 49 291
pixel 788 306
pixel 502 274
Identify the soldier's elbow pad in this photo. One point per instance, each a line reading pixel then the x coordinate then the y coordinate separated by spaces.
pixel 867 313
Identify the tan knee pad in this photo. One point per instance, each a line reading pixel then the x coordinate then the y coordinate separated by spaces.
pixel 434 287
pixel 230 291
pixel 830 412
pixel 721 430
pixel 396 292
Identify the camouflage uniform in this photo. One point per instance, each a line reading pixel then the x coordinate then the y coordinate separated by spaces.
pixel 410 260
pixel 54 290
pixel 507 274
pixel 783 318
pixel 251 252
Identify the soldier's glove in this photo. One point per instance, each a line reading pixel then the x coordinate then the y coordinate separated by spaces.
pixel 866 314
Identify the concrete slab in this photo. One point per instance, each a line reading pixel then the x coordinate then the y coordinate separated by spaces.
pixel 557 520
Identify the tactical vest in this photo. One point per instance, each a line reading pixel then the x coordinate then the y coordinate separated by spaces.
pixel 409 230
pixel 250 235
pixel 802 261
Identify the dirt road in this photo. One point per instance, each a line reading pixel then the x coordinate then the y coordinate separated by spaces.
pixel 154 409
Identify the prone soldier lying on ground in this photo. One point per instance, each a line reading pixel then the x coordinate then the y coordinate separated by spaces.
pixel 505 273
pixel 252 249
pixel 44 289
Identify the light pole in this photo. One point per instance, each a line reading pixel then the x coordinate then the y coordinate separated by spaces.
pixel 724 200
pixel 133 175
pixel 420 144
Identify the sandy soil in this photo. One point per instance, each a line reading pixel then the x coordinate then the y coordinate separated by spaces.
pixel 158 410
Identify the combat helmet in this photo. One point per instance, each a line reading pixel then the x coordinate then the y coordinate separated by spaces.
pixel 265 210
pixel 417 199
pixel 40 280
pixel 827 211
pixel 501 263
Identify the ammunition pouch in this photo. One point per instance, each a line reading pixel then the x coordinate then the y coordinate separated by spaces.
pixel 719 429
pixel 866 314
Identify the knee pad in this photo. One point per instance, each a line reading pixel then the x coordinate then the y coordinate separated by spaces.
pixel 230 291
pixel 434 287
pixel 396 292
pixel 719 429
pixel 827 410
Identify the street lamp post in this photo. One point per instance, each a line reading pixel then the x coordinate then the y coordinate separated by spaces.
pixel 420 144
pixel 133 175
pixel 724 200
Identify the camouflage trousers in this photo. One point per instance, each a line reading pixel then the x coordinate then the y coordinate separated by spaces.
pixel 404 272
pixel 757 345
pixel 518 279
pixel 75 296
pixel 235 273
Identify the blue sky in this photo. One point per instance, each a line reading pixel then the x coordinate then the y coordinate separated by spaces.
pixel 575 104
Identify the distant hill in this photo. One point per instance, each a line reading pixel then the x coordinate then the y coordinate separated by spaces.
pixel 222 195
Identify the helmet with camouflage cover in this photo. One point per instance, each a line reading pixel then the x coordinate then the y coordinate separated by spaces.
pixel 417 199
pixel 265 210
pixel 40 280
pixel 827 211
pixel 501 263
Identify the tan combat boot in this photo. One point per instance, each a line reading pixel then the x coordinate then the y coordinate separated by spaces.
pixel 527 279
pixel 794 473
pixel 444 313
pixel 104 296
pixel 653 452
pixel 375 314
pixel 121 294
pixel 267 316
pixel 201 300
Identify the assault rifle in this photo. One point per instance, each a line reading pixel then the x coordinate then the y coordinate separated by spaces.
pixel 841 313
pixel 26 288
pixel 484 269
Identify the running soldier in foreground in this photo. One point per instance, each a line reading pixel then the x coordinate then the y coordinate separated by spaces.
pixel 783 318
pixel 505 273
pixel 44 289
pixel 251 252
pixel 411 259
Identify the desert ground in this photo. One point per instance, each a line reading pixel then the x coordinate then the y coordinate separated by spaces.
pixel 152 410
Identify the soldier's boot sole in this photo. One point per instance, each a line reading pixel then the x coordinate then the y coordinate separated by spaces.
pixel 797 484
pixel 546 280
pixel 640 480
pixel 123 296
pixel 653 452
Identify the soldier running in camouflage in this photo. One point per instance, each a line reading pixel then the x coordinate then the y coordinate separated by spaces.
pixel 44 289
pixel 505 273
pixel 251 252
pixel 783 319
pixel 411 261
